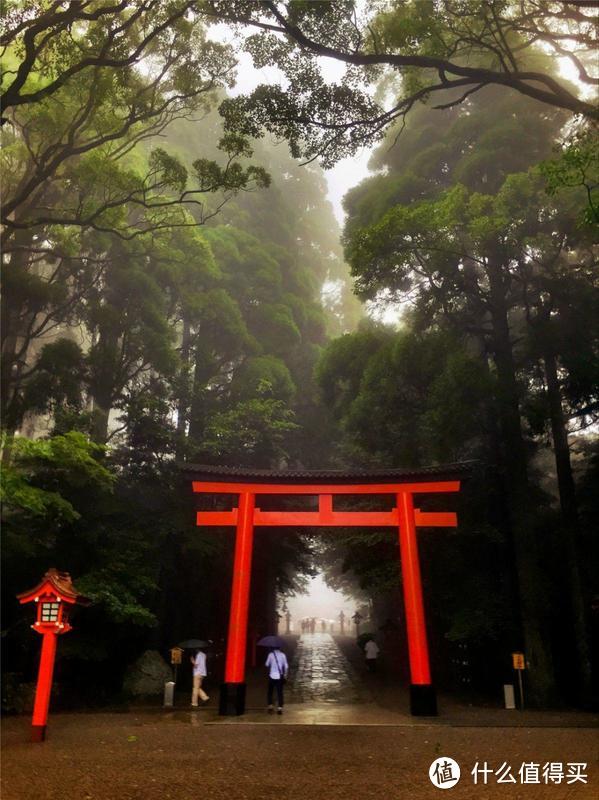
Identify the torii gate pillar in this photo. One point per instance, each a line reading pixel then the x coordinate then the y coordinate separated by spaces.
pixel 423 699
pixel 232 696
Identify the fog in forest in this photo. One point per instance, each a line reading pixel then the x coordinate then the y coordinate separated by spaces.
pixel 320 601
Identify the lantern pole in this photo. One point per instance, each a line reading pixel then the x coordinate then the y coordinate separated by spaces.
pixel 44 687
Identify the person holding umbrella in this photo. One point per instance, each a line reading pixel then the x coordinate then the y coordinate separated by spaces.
pixel 277 666
pixel 198 660
pixel 199 673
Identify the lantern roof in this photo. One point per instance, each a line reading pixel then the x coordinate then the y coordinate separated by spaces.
pixel 57 583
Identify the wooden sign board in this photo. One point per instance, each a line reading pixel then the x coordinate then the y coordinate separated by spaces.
pixel 176 654
pixel 518 661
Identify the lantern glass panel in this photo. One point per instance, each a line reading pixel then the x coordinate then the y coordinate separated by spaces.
pixel 50 612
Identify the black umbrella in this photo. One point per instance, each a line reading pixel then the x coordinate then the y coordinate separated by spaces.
pixel 271 641
pixel 190 644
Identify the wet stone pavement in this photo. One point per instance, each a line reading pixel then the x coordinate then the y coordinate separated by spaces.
pixel 320 673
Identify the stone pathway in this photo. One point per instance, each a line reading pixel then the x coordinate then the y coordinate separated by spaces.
pixel 320 673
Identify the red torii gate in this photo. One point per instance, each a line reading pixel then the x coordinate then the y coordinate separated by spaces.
pixel 403 484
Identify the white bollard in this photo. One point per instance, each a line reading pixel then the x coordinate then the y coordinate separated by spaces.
pixel 508 695
pixel 169 694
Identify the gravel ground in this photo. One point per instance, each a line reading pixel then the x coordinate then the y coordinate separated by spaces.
pixel 153 757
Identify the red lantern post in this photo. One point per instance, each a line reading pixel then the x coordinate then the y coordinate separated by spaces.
pixel 54 597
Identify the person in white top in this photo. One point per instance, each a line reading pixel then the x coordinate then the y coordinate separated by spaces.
pixel 371 650
pixel 199 673
pixel 277 673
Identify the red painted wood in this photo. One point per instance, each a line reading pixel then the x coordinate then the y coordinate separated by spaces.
pixel 240 591
pixel 420 487
pixel 405 517
pixel 217 518
pixel 362 519
pixel 44 683
pixel 435 519
pixel 324 517
pixel 412 592
pixel 325 509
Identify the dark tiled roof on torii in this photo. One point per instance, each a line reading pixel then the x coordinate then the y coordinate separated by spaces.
pixel 456 471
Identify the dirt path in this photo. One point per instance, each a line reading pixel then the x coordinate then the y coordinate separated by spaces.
pixel 149 756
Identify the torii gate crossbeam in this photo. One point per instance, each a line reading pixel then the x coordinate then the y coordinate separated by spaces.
pixel 404 516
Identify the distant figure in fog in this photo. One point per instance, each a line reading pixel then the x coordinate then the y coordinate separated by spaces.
pixel 323 626
pixel 371 651
pixel 277 666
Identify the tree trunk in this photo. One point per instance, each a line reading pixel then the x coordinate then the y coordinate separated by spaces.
pixel 184 391
pixel 270 589
pixel 567 496
pixel 102 386
pixel 101 412
pixel 530 582
pixel 203 370
pixel 13 305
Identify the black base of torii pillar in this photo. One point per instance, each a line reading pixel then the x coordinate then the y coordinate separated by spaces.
pixel 232 699
pixel 423 700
